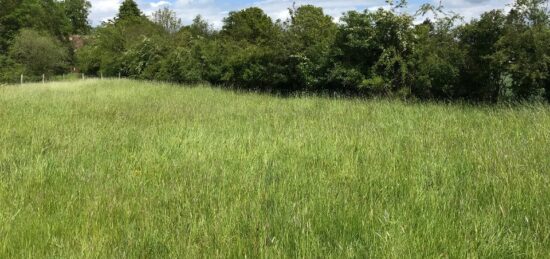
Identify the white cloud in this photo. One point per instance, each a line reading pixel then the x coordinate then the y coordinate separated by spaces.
pixel 474 8
pixel 103 10
pixel 278 9
pixel 160 4
pixel 215 10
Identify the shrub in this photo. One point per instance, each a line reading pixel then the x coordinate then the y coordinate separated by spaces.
pixel 39 53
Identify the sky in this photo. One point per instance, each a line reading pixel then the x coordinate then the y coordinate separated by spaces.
pixel 215 10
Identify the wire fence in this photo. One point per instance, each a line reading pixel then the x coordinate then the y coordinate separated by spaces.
pixel 30 79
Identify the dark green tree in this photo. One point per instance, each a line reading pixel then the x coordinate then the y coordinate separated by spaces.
pixel 128 10
pixel 167 19
pixel 200 27
pixel 41 15
pixel 311 36
pixel 372 52
pixel 482 78
pixel 436 61
pixel 524 50
pixel 78 11
pixel 39 53
pixel 251 25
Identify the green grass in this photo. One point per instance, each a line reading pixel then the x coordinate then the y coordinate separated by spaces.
pixel 120 169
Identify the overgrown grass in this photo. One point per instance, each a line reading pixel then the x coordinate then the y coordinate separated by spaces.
pixel 131 169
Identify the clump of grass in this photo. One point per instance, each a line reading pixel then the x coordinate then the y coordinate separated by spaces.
pixel 118 168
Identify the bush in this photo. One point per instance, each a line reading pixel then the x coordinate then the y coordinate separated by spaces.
pixel 39 53
pixel 10 71
pixel 181 66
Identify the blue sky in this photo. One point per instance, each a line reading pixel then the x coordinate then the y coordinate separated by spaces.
pixel 215 10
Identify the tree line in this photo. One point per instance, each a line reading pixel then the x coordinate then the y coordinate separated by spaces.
pixel 499 56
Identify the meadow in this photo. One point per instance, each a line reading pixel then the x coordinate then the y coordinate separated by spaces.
pixel 127 169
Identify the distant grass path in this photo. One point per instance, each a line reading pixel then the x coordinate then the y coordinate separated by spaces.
pixel 116 169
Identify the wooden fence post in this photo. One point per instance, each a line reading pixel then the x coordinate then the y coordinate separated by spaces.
pixel 43 79
pixel 21 78
pixel 101 75
pixel 83 77
pixel 118 75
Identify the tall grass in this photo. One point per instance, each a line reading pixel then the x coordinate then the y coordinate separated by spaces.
pixel 118 168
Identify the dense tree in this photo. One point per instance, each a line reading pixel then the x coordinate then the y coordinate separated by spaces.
pixel 41 15
pixel 129 10
pixel 105 52
pixel 77 11
pixel 200 27
pixel 10 70
pixel 437 56
pixel 116 45
pixel 524 50
pixel 372 52
pixel 167 19
pixel 39 53
pixel 498 56
pixel 251 25
pixel 311 36
pixel 481 76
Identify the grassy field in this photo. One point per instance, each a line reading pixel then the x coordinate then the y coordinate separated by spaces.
pixel 117 169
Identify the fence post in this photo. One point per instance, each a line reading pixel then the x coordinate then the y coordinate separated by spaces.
pixel 83 77
pixel 118 75
pixel 63 76
pixel 43 79
pixel 101 75
pixel 21 78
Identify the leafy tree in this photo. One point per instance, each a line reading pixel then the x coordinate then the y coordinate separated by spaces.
pixel 200 27
pixel 182 66
pixel 311 36
pixel 143 60
pixel 10 71
pixel 78 11
pixel 129 10
pixel 251 25
pixel 437 56
pixel 41 15
pixel 524 49
pixel 167 19
pixel 377 45
pixel 379 52
pixel 481 76
pixel 106 48
pixel 39 53
pixel 255 67
pixel 436 61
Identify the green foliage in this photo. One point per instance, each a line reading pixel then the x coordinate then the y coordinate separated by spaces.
pixel 251 25
pixel 41 15
pixel 311 35
pixel 524 50
pixel 167 19
pixel 143 60
pixel 500 56
pixel 10 71
pixel 254 67
pixel 200 27
pixel 377 43
pixel 347 79
pixel 113 42
pixel 437 60
pixel 129 10
pixel 77 11
pixel 183 64
pixel 481 76
pixel 38 53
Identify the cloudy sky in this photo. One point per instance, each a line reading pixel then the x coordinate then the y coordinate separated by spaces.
pixel 215 10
